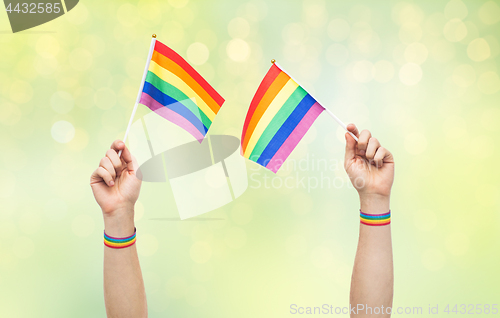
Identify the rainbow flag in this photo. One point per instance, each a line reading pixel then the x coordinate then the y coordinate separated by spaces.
pixel 174 90
pixel 280 114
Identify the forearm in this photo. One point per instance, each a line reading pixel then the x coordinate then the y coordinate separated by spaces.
pixel 373 277
pixel 124 293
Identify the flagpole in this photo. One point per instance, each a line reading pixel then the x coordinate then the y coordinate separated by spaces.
pixel 329 112
pixel 139 94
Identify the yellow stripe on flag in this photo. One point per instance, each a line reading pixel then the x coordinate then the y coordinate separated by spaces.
pixel 175 81
pixel 271 111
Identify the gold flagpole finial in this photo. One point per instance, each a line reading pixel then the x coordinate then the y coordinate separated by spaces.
pixel 154 35
pixel 273 61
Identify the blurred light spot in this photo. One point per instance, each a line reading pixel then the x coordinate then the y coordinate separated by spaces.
pixel 455 9
pixel 238 28
pixel 487 195
pixel 7 183
pixel 238 50
pixel 197 53
pixel 489 13
pixel 488 83
pixel 434 24
pixel 490 119
pixel 127 14
pixel 200 252
pixel 338 30
pixel 383 71
pixel 62 102
pixel 321 257
pixel 294 33
pixel 55 209
pixel 242 214
pixel 134 68
pixel 478 50
pixel 410 32
pixel 207 37
pixel 296 245
pixel 172 32
pixel 410 74
pixel 47 46
pixel 176 287
pixel 23 247
pixel 443 51
pixel 80 141
pixel 457 243
pixel 415 143
pixel 30 223
pixel 481 147
pixel 464 75
pixel 80 59
pixel 94 44
pixel 202 232
pixel 138 211
pixel 472 32
pixel 105 98
pixel 178 3
pixel 20 92
pixel 83 225
pixel 301 203
pixel 202 272
pixel 147 244
pixel 235 237
pixel 425 220
pixel 360 13
pixel 404 12
pixel 62 131
pixel 455 30
pixel 362 71
pixel 10 114
pixel 416 53
pixel 45 66
pixel 315 13
pixel 433 259
pixel 310 70
pixel 196 295
pixel 294 53
pixel 78 15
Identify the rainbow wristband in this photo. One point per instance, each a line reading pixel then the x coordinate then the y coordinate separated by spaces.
pixel 375 219
pixel 116 242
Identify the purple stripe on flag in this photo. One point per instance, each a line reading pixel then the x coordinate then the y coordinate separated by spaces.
pixel 294 138
pixel 171 116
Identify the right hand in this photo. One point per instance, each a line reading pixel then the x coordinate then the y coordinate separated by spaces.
pixel 115 184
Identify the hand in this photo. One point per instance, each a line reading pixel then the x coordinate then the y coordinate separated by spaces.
pixel 114 184
pixel 369 166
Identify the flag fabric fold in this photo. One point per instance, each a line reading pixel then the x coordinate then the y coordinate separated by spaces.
pixel 279 115
pixel 176 91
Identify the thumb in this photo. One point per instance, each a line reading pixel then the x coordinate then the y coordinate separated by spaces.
pixel 350 147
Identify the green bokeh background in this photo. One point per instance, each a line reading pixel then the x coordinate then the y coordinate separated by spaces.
pixel 422 76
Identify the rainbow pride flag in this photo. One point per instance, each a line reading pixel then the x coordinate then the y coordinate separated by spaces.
pixel 280 114
pixel 174 90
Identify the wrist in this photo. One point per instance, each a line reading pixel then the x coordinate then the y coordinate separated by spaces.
pixel 374 203
pixel 120 222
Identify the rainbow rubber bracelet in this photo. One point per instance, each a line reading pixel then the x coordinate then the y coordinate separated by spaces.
pixel 375 219
pixel 116 242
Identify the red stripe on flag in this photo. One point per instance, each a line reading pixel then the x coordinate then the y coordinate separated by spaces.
pixel 271 75
pixel 171 54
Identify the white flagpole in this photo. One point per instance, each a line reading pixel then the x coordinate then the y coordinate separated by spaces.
pixel 138 99
pixel 329 112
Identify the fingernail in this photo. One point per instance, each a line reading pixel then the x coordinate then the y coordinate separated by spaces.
pixel 111 183
pixel 362 152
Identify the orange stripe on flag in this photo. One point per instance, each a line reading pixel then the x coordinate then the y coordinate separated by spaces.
pixel 176 69
pixel 268 97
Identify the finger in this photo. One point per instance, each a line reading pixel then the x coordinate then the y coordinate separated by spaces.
pixel 126 155
pixel 382 156
pixel 352 128
pixel 106 164
pixel 115 160
pixel 350 147
pixel 373 145
pixel 103 174
pixel 363 139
